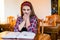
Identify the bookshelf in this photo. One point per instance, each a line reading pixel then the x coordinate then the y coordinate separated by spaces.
pixel 54 7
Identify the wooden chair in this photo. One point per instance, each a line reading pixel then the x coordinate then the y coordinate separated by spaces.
pixel 39 35
pixel 11 20
pixel 55 21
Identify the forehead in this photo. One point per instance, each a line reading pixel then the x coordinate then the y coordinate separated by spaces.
pixel 26 7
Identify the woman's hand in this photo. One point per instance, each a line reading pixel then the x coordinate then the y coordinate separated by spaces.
pixel 27 23
pixel 25 17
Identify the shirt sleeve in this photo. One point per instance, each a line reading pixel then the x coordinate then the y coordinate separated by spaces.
pixel 33 25
pixel 19 20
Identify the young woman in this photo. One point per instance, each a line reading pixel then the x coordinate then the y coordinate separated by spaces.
pixel 28 20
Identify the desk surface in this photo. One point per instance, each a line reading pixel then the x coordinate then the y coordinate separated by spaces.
pixel 46 25
pixel 49 26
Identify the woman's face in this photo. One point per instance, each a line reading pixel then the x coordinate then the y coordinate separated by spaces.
pixel 26 10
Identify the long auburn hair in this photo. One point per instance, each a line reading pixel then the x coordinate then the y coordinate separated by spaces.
pixel 26 3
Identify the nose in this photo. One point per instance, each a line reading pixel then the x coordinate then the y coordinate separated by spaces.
pixel 26 12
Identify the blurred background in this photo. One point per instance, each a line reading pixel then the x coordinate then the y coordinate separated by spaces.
pixel 12 8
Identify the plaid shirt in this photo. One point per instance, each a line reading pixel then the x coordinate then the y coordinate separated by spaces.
pixel 31 28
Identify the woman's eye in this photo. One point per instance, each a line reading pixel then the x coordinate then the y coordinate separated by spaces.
pixel 28 9
pixel 23 9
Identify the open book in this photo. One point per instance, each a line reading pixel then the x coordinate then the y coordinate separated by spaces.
pixel 24 34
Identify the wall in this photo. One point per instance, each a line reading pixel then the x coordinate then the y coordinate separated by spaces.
pixel 2 11
pixel 42 8
pixel 11 8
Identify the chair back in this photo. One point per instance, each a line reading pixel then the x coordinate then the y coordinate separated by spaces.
pixel 11 20
pixel 51 20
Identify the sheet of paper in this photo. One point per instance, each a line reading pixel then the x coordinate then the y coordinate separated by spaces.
pixel 11 35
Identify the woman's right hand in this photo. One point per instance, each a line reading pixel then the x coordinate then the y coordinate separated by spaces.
pixel 25 17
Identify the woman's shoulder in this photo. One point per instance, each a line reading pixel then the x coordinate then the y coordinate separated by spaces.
pixel 19 17
pixel 33 17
